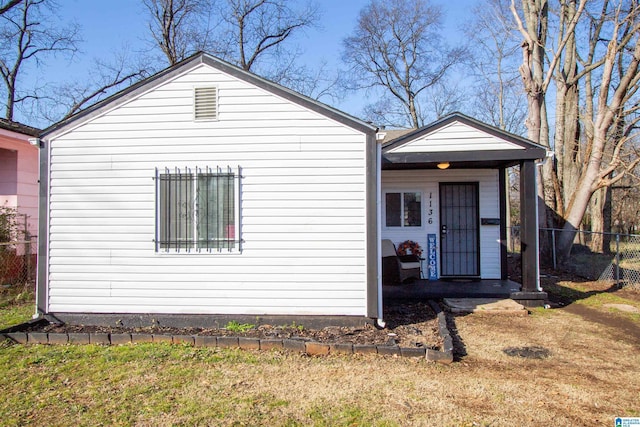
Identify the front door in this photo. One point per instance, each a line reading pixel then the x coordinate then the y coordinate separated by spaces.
pixel 459 231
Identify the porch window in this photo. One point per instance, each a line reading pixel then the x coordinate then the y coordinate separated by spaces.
pixel 197 210
pixel 403 209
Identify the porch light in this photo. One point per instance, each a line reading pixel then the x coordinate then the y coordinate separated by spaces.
pixel 443 165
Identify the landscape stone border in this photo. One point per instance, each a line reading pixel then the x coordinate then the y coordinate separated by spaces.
pixel 18 335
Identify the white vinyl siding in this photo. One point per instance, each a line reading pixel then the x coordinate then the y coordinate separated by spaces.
pixel 428 183
pixel 302 207
pixel 456 137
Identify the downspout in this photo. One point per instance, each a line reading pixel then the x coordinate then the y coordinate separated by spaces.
pixel 380 320
pixel 44 156
pixel 37 142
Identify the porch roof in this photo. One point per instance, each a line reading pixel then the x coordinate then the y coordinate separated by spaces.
pixel 461 141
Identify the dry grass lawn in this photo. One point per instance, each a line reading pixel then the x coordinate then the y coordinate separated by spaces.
pixel 591 376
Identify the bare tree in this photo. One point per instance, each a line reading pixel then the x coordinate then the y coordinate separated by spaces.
pixel 321 83
pixel 104 78
pixel 498 98
pixel 179 27
pixel 538 66
pixel 253 34
pixel 626 212
pixel 397 46
pixel 589 140
pixel 258 29
pixel 609 128
pixel 5 7
pixel 25 37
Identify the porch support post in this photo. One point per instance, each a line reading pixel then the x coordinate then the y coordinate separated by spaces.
pixel 504 221
pixel 529 226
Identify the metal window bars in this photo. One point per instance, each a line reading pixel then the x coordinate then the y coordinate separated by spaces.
pixel 197 209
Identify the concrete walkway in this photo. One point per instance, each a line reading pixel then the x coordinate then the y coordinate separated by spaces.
pixel 485 305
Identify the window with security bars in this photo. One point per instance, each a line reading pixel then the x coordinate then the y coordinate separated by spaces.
pixel 197 209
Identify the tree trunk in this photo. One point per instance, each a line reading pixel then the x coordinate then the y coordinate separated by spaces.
pixel 610 108
pixel 532 71
pixel 597 219
pixel 567 143
pixel 11 98
pixel 601 221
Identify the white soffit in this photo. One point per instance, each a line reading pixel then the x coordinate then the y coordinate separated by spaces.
pixel 455 137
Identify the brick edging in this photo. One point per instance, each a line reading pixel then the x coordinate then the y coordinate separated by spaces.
pixel 307 347
pixel 446 355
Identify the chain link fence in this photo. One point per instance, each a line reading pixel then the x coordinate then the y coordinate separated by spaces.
pixel 617 262
pixel 18 252
pixel 18 263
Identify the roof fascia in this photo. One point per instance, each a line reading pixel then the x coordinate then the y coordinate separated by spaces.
pixel 122 96
pixel 459 117
pixel 15 136
pixel 290 95
pixel 167 74
pixel 18 128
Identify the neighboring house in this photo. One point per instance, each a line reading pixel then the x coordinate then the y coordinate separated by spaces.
pixel 206 190
pixel 19 172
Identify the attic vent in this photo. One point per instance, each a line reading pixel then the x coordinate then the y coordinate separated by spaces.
pixel 206 103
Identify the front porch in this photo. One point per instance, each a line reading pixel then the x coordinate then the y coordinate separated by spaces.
pixel 421 290
pixel 445 187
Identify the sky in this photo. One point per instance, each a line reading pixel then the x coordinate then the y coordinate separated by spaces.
pixel 109 26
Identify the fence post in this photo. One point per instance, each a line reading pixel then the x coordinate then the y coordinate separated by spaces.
pixel 511 240
pixel 26 266
pixel 617 259
pixel 553 248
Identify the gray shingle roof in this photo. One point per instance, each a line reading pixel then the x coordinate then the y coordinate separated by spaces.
pixel 18 127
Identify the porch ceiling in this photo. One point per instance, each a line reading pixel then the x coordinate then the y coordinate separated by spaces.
pixel 457 160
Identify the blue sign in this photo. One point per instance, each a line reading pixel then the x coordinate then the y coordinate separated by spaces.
pixel 627 422
pixel 432 259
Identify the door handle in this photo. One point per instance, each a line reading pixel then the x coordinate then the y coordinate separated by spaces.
pixel 443 229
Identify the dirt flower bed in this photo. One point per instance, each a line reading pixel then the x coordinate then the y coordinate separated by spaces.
pixel 408 325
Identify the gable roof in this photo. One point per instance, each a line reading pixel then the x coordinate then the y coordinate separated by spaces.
pixel 463 140
pixel 203 58
pixel 392 134
pixel 18 127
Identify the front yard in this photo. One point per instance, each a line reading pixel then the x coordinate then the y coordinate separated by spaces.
pixel 589 373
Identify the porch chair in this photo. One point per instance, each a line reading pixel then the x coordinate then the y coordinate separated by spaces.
pixel 397 269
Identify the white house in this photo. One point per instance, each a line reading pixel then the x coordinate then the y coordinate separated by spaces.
pixel 208 191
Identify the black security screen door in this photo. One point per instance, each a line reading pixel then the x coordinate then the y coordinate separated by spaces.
pixel 459 232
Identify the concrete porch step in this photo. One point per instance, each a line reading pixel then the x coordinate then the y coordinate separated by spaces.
pixel 485 305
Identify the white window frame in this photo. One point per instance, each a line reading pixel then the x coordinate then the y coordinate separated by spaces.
pixel 402 209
